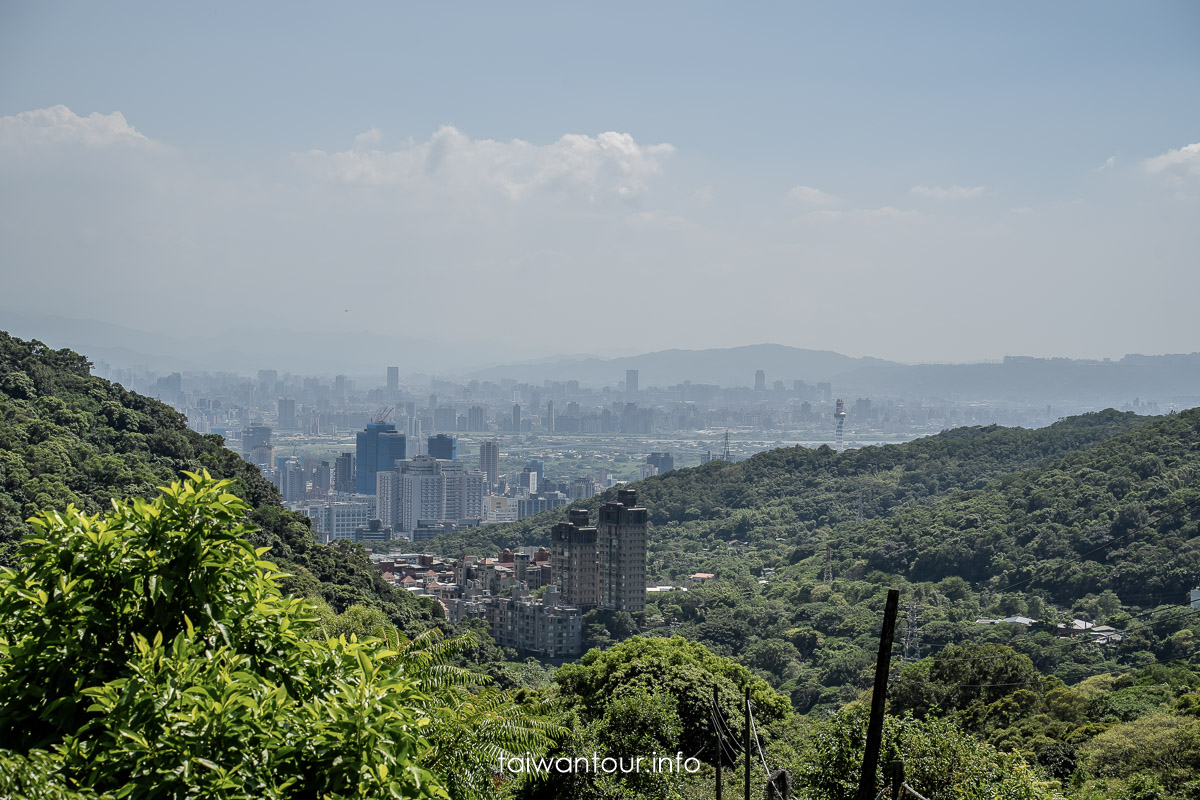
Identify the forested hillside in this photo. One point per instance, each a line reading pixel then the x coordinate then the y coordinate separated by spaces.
pixel 786 492
pixel 68 437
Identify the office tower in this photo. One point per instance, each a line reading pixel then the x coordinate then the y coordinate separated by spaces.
pixel 476 421
pixel 287 413
pixel 528 481
pixel 550 415
pixel 516 418
pixel 537 465
pixel 631 382
pixel 256 436
pixel 621 554
pixel 664 462
pixel 778 387
pixel 825 390
pixel 393 379
pixel 760 381
pixel 377 448
pixel 489 460
pixel 798 388
pixel 573 559
pixel 443 446
pixel 339 388
pixel 343 473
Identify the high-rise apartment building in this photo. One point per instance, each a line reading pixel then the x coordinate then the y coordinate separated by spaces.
pixel 476 419
pixel 631 381
pixel 377 448
pixel 343 473
pixel 621 554
pixel 287 413
pixel 760 381
pixel 602 566
pixel 489 460
pixel 516 418
pixel 393 379
pixel 573 559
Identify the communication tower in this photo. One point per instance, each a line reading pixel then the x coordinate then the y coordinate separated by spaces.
pixel 840 415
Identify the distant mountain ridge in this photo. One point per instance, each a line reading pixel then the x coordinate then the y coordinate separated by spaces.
pixel 730 366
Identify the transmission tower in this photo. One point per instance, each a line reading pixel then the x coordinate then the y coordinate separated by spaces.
pixel 828 563
pixel 840 415
pixel 725 454
pixel 912 634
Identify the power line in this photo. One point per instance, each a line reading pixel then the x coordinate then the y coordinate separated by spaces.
pixel 754 729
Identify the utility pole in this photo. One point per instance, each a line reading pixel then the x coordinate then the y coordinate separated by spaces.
pixel 866 784
pixel 720 749
pixel 746 742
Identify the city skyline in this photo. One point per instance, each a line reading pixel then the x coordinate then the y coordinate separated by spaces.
pixel 938 184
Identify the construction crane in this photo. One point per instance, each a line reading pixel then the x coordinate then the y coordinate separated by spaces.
pixel 382 415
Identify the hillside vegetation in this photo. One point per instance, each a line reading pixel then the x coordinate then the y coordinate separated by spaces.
pixel 68 437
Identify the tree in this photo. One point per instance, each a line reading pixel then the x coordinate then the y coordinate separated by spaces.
pixel 153 650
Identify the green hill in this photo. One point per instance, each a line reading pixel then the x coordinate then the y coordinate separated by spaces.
pixel 69 437
pixel 790 492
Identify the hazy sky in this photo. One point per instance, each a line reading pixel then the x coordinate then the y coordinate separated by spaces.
pixel 932 181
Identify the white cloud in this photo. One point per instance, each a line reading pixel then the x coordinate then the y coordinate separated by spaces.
pixel 60 125
pixel 947 192
pixel 608 164
pixel 1176 164
pixel 1109 163
pixel 812 196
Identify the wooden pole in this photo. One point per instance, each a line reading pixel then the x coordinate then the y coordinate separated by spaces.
pixel 746 742
pixel 883 664
pixel 720 749
pixel 897 779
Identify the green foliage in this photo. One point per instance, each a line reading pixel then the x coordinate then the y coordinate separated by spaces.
pixel 152 652
pixel 1160 745
pixel 941 762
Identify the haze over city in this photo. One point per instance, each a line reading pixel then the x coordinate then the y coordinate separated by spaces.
pixel 941 183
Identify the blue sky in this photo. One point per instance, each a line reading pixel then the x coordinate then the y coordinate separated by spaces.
pixel 926 154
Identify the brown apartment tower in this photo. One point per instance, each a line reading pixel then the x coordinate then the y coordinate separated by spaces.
pixel 603 566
